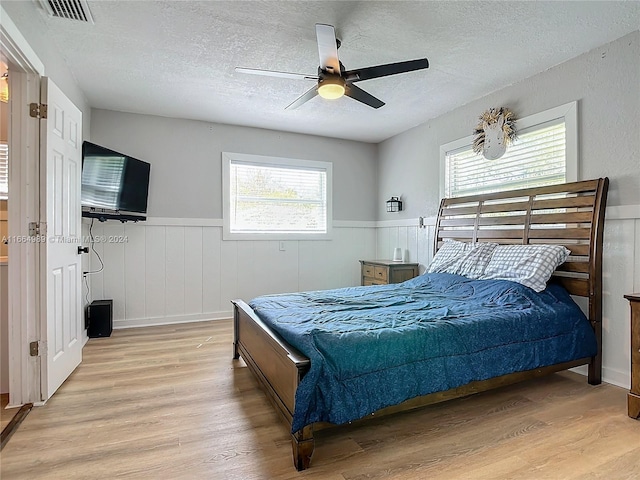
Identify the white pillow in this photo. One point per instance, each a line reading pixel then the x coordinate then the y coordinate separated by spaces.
pixel 462 258
pixel 447 256
pixel 474 261
pixel 530 265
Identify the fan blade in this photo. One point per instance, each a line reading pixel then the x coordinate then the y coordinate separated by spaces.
pixel 327 48
pixel 385 70
pixel 305 97
pixel 360 95
pixel 272 73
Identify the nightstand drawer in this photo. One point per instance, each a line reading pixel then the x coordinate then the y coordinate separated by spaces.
pixel 368 271
pixel 381 274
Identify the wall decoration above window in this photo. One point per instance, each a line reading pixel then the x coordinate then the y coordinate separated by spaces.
pixel 495 132
pixel 545 153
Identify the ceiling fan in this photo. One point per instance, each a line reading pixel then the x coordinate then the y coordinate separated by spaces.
pixel 333 81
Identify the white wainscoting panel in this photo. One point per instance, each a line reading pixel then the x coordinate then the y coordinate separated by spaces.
pixel 155 274
pixel 113 273
pixel 416 242
pixel 214 287
pixel 619 270
pixel 135 271
pixel 636 259
pixel 174 271
pixel 193 270
pixel 167 272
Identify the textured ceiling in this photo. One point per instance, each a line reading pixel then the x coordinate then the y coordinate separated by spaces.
pixel 177 58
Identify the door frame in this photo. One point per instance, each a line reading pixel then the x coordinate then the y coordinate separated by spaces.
pixel 25 69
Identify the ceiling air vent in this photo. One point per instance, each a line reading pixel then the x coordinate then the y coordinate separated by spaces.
pixel 70 9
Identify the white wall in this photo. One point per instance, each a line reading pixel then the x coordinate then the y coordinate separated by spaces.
pixel 186 161
pixel 605 84
pixel 176 267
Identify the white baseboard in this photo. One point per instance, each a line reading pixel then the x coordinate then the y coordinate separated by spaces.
pixel 609 375
pixel 616 377
pixel 154 321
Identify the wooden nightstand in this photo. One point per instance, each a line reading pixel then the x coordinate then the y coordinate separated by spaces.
pixel 383 272
pixel 633 399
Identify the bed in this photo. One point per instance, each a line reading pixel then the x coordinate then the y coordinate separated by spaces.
pixel 331 357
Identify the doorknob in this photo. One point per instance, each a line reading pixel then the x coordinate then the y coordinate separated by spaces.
pixel 83 250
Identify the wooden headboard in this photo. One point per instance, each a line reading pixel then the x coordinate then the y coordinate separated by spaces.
pixel 570 214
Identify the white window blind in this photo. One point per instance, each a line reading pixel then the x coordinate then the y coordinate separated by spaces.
pixel 4 171
pixel 537 158
pixel 276 198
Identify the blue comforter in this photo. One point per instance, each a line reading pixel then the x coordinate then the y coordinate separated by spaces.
pixel 372 347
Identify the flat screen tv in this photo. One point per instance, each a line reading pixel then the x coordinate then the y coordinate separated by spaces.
pixel 114 185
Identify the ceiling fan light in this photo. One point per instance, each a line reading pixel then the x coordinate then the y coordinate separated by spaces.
pixel 331 88
pixel 331 92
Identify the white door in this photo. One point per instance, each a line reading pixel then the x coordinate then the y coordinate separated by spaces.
pixel 61 264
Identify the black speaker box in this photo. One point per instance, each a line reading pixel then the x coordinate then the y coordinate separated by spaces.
pixel 100 318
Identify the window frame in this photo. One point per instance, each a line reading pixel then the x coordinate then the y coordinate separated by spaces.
pixel 567 112
pixel 229 157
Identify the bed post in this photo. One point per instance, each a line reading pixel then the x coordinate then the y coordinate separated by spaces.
pixel 303 445
pixel 236 353
pixel 595 366
pixel 595 277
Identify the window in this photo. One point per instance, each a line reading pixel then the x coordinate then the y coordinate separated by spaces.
pixel 4 171
pixel 545 153
pixel 269 197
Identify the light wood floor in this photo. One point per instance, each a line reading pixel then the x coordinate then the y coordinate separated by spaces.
pixel 169 403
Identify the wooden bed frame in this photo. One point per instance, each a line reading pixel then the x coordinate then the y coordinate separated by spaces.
pixel 570 214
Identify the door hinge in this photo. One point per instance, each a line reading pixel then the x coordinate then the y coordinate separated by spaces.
pixel 34 349
pixel 37 229
pixel 38 110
